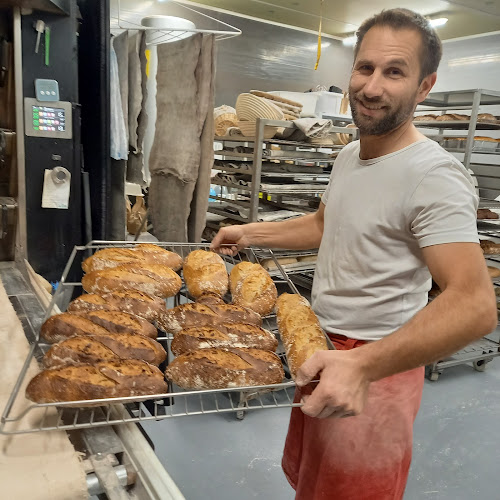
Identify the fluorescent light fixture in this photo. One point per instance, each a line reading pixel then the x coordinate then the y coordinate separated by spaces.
pixel 440 21
pixel 350 40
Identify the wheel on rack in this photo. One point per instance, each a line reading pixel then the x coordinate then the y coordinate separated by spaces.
pixel 240 414
pixel 480 364
pixel 434 376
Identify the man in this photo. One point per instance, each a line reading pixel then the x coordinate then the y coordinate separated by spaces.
pixel 397 210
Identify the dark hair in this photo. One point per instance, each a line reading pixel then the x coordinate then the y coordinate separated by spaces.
pixel 397 19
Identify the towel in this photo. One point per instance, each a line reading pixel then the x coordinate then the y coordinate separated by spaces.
pixel 307 128
pixel 182 151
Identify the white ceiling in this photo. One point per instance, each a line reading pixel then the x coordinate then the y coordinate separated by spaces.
pixel 342 17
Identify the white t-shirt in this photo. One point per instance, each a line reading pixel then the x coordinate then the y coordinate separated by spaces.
pixel 370 276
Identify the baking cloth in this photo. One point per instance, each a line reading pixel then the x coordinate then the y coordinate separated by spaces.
pixel 182 153
pixel 42 465
pixel 120 44
pixel 366 457
pixel 308 128
pixel 137 115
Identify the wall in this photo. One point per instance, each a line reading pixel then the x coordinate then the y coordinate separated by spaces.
pixel 267 57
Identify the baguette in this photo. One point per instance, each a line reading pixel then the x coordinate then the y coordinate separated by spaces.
pixel 120 322
pixel 148 278
pixel 252 287
pixel 62 326
pixel 299 329
pixel 205 272
pixel 108 258
pixel 97 348
pixel 223 336
pixel 225 368
pixel 489 247
pixel 130 301
pixel 108 379
pixel 195 314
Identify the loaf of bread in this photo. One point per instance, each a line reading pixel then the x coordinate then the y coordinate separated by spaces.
pixel 62 326
pixel 252 287
pixel 299 329
pixel 195 314
pixel 486 213
pixel 151 279
pixel 205 272
pixel 129 301
pixel 486 117
pixel 424 118
pixel 224 335
pixel 120 322
pixel 109 379
pixel 494 272
pixel 142 254
pixel 270 264
pixel 97 348
pixel 225 368
pixel 490 247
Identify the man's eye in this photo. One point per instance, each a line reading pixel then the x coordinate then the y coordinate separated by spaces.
pixel 395 71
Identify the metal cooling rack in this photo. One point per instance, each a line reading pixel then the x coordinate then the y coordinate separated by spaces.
pixel 177 402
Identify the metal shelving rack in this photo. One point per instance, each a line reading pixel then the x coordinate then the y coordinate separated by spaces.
pixel 482 351
pixel 256 192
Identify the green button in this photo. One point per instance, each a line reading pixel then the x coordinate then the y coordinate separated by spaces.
pixel 36 128
pixel 36 123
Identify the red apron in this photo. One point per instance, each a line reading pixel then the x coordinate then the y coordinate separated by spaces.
pixel 356 458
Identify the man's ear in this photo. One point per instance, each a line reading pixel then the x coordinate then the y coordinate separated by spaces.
pixel 426 86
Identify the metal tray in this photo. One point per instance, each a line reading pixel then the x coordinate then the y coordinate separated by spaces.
pixel 177 402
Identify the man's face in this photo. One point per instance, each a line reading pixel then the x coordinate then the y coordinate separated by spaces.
pixel 384 86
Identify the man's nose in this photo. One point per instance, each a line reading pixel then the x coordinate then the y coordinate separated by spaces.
pixel 373 86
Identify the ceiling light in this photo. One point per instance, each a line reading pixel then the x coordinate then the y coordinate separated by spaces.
pixel 440 21
pixel 350 40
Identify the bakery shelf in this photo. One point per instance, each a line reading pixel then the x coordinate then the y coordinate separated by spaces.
pixel 177 402
pixel 252 149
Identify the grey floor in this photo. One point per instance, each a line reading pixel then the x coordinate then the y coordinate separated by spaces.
pixel 456 446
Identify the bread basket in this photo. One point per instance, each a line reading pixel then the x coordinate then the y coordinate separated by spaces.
pixel 249 129
pixel 250 107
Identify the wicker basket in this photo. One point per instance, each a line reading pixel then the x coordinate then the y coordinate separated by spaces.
pixel 224 118
pixel 248 129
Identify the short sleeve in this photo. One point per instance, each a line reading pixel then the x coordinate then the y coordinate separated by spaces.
pixel 324 197
pixel 443 207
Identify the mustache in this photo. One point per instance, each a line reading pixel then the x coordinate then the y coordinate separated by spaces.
pixel 363 98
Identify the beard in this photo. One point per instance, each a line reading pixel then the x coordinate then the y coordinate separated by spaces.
pixel 368 125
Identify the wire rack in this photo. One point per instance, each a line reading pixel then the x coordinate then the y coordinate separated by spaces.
pixel 20 418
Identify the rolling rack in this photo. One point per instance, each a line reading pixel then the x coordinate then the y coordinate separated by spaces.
pixel 485 168
pixel 482 351
pixel 76 415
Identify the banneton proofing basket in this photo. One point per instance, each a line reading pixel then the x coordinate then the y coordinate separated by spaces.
pixel 21 416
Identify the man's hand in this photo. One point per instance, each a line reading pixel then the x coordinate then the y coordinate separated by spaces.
pixel 343 385
pixel 230 235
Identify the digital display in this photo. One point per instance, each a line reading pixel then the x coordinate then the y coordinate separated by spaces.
pixel 49 119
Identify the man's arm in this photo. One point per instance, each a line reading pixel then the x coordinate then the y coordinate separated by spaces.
pixel 464 311
pixel 300 233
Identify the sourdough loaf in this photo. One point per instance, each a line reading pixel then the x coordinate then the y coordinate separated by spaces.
pixel 225 368
pixel 489 247
pixel 129 301
pixel 62 326
pixel 299 328
pixel 151 279
pixel 205 272
pixel 223 336
pixel 252 287
pixel 97 348
pixel 120 322
pixel 494 272
pixel 141 254
pixel 195 314
pixel 108 379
